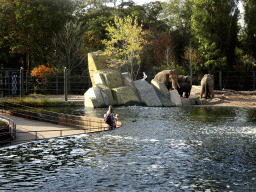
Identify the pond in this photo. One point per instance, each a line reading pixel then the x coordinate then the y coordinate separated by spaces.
pixel 156 149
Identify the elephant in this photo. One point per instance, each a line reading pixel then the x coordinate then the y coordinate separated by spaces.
pixel 185 83
pixel 207 85
pixel 169 78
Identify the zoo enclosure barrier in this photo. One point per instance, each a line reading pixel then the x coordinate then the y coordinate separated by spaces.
pixel 85 124
pixel 7 133
pixel 15 82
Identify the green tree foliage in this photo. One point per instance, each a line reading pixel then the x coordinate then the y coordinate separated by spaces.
pixel 27 27
pixel 250 27
pixel 214 25
pixel 178 15
pixel 125 44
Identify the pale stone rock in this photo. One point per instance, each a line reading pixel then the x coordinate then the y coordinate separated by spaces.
pixel 93 98
pixel 147 93
pixel 161 87
pixel 175 98
pixel 96 61
pixel 125 96
pixel 127 80
pixel 112 77
pixel 195 101
pixel 99 78
pixel 165 101
pixel 105 98
pixel 185 101
pixel 108 92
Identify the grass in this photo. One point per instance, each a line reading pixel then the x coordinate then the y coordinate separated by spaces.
pixel 36 102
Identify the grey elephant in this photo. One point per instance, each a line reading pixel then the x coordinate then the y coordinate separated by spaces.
pixel 169 78
pixel 185 83
pixel 207 85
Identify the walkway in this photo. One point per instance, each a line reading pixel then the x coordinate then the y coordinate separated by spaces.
pixel 29 130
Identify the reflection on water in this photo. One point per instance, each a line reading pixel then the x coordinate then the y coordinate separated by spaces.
pixel 157 149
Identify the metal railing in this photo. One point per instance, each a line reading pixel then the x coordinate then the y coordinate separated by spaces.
pixel 79 122
pixel 7 133
pixel 84 124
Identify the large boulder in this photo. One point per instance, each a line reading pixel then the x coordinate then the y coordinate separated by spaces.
pixel 127 80
pixel 112 78
pixel 93 98
pixel 162 92
pixel 96 61
pixel 125 96
pixel 147 93
pixel 175 98
pixel 99 78
pixel 108 92
pixel 196 101
pixel 185 101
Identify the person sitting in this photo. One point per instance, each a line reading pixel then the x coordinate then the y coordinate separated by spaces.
pixel 111 118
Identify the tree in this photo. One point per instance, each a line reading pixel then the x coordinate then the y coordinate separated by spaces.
pixel 158 51
pixel 125 44
pixel 250 27
pixel 214 25
pixel 177 14
pixel 42 73
pixel 193 59
pixel 27 27
pixel 69 46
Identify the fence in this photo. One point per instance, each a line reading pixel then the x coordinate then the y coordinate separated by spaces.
pixel 8 132
pixel 82 123
pixel 14 82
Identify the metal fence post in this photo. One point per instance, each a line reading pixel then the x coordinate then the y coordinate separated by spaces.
pixel 27 73
pixel 21 82
pixel 65 84
pixel 57 83
pixel 220 79
pixel 253 73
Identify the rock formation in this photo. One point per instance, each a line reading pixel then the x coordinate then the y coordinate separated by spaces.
pixel 111 87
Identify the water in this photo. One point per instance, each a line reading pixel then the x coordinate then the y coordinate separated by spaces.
pixel 157 149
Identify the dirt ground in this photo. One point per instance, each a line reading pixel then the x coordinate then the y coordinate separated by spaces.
pixel 228 98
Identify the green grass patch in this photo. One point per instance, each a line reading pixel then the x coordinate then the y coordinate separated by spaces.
pixel 36 102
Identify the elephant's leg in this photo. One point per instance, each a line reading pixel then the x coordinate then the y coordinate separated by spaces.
pixel 186 94
pixel 202 91
pixel 211 92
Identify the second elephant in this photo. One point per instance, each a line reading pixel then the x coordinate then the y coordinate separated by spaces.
pixel 169 78
pixel 185 85
pixel 207 85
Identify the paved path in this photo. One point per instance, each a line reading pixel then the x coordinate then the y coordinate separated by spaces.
pixel 29 130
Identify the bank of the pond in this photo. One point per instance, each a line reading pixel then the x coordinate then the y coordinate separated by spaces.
pixel 45 100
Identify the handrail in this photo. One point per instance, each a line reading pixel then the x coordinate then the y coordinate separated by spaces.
pixel 12 129
pixel 78 122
